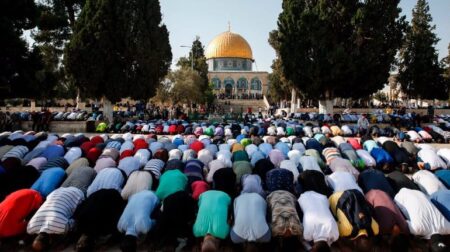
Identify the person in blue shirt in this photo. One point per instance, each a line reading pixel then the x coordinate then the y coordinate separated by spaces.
pixel 374 179
pixel 136 220
pixel 444 177
pixel 441 199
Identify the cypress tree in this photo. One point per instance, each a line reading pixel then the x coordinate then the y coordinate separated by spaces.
pixel 338 48
pixel 420 74
pixel 119 49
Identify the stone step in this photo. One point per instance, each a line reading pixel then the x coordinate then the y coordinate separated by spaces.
pixel 243 105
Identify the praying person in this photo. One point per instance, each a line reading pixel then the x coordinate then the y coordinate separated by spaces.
pixel 15 211
pixel 97 216
pixel 212 219
pixel 318 222
pixel 354 218
pixel 135 220
pixel 54 217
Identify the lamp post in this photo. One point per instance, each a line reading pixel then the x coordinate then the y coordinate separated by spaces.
pixel 192 56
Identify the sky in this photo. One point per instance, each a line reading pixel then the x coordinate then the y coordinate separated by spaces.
pixel 254 19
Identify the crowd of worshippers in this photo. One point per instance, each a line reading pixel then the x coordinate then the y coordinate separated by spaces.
pixel 9 121
pixel 428 133
pixel 280 192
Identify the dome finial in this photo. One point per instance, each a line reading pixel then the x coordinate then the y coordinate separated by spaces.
pixel 229 26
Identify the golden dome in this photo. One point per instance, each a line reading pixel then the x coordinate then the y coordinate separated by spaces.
pixel 229 45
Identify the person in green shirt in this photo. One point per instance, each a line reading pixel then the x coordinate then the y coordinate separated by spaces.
pixel 212 219
pixel 171 182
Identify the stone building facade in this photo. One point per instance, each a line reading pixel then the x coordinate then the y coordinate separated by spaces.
pixel 230 64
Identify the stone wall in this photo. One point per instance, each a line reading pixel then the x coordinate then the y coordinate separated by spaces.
pixel 62 127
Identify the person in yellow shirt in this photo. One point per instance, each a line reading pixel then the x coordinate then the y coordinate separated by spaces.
pixel 354 218
pixel 389 110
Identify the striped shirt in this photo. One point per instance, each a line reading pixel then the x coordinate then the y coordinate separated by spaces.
pixel 54 216
pixel 155 166
pixel 4 149
pixel 330 153
pixel 16 152
pixel 108 178
pixel 113 144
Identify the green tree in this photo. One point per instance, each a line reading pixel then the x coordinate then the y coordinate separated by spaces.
pixel 280 87
pixel 420 74
pixel 341 48
pixel 32 80
pixel 56 23
pixel 184 84
pixel 15 57
pixel 380 96
pixel 163 92
pixel 446 68
pixel 197 61
pixel 119 49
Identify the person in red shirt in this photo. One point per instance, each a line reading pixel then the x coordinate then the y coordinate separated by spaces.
pixel 16 210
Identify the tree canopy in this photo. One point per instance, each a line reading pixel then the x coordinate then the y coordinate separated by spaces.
pixel 19 64
pixel 56 21
pixel 198 63
pixel 280 87
pixel 119 48
pixel 420 74
pixel 446 67
pixel 341 48
pixel 184 84
pixel 55 25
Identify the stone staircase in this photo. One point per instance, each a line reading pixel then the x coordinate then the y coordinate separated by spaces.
pixel 242 105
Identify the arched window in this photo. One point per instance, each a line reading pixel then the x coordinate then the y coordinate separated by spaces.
pixel 216 83
pixel 242 83
pixel 256 84
pixel 228 81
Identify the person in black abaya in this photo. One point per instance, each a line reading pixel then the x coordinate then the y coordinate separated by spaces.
pixel 97 216
pixel 176 218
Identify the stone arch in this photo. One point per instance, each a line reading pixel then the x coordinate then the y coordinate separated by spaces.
pixel 216 83
pixel 242 83
pixel 256 84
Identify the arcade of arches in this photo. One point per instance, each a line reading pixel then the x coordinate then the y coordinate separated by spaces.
pixel 239 85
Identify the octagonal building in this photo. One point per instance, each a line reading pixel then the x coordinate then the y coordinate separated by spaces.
pixel 230 65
